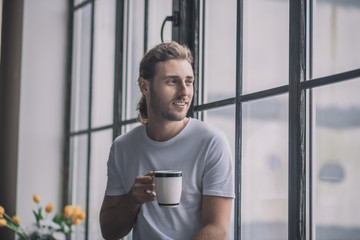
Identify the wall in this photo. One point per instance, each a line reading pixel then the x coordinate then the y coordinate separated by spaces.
pixel 42 105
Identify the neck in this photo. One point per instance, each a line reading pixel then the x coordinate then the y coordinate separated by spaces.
pixel 163 131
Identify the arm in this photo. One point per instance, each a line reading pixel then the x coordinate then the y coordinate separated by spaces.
pixel 118 213
pixel 216 214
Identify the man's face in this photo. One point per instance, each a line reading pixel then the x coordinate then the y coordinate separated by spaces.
pixel 171 90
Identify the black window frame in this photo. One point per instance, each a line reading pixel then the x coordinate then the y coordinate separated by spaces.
pixel 300 82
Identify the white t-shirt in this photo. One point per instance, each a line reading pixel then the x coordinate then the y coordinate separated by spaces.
pixel 202 154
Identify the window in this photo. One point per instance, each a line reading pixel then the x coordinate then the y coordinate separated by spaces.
pixel 283 87
pixel 91 107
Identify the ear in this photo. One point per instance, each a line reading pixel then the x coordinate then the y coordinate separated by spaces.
pixel 144 86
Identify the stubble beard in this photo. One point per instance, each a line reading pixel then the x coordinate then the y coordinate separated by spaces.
pixel 156 107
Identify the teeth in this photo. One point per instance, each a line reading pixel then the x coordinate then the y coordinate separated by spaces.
pixel 179 103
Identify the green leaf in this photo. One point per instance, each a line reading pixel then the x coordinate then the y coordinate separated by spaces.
pixel 22 236
pixel 35 214
pixel 58 219
pixel 69 223
pixel 40 213
pixel 12 226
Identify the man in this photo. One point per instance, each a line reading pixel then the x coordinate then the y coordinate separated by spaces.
pixel 167 139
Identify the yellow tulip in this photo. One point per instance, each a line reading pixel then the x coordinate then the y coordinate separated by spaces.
pixel 2 222
pixel 2 211
pixel 49 208
pixel 36 198
pixel 81 216
pixel 16 220
pixel 76 221
pixel 68 211
pixel 76 211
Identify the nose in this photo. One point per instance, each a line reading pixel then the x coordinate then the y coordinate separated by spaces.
pixel 184 89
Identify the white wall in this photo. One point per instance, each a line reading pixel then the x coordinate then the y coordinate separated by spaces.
pixel 42 105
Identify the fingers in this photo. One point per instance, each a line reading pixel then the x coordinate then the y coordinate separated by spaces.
pixel 147 179
pixel 143 188
pixel 151 173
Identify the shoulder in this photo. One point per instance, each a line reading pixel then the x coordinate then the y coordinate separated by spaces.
pixel 129 137
pixel 198 126
pixel 205 131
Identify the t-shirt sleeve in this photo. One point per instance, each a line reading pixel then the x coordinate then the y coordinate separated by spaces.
pixel 218 173
pixel 114 185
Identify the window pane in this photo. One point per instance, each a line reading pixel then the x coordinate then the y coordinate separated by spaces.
pixel 336 161
pixel 100 146
pixel 78 158
pixel 266 44
pixel 103 68
pixel 158 10
pixel 81 69
pixel 76 2
pixel 134 47
pixel 264 210
pixel 336 37
pixel 219 49
pixel 224 119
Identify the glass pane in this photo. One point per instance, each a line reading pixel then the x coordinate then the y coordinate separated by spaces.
pixel 134 45
pixel 336 37
pixel 103 68
pixel 100 146
pixel 158 11
pixel 264 210
pixel 224 119
pixel 79 160
pixel 336 164
pixel 81 69
pixel 219 49
pixel 76 2
pixel 266 44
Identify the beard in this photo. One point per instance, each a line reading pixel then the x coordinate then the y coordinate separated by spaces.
pixel 160 108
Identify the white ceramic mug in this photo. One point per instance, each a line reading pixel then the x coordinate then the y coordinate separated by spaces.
pixel 168 187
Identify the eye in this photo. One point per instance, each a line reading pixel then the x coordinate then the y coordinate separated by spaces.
pixel 172 81
pixel 189 82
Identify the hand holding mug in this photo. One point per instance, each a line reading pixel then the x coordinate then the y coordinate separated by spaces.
pixel 143 189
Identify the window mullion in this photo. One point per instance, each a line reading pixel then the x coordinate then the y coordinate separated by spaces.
pixel 297 152
pixel 238 119
pixel 119 66
pixel 88 171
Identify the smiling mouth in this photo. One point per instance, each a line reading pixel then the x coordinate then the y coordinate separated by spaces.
pixel 179 103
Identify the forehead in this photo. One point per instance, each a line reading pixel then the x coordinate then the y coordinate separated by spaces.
pixel 174 67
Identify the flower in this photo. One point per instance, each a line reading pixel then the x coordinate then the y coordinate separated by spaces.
pixel 16 220
pixel 49 208
pixel 68 211
pixel 58 236
pixel 58 228
pixel 76 221
pixel 76 211
pixel 36 198
pixel 82 216
pixel 2 210
pixel 2 222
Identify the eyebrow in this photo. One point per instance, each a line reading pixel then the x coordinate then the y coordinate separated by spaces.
pixel 176 76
